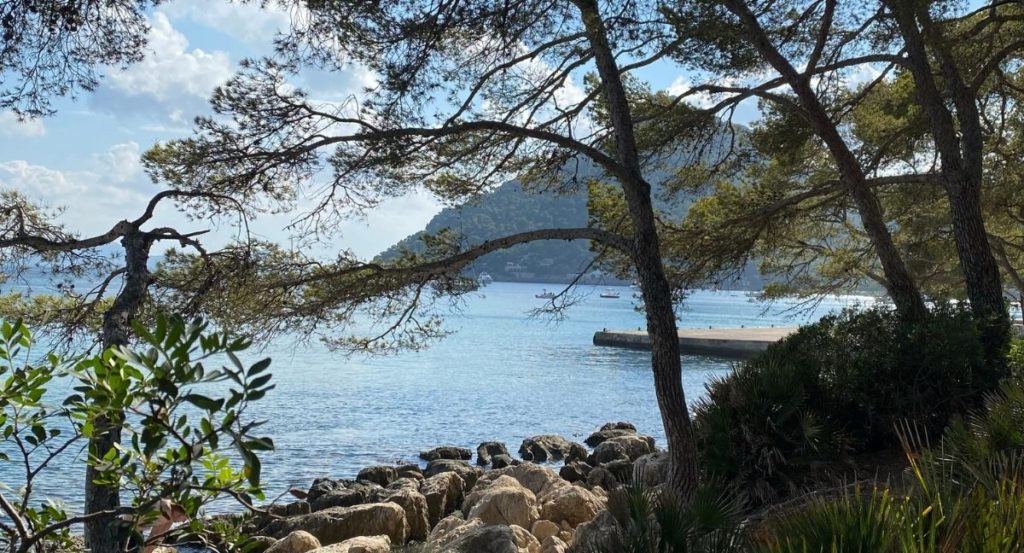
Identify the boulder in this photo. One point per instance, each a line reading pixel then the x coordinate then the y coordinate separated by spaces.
pixel 602 477
pixel 590 536
pixel 571 504
pixel 618 426
pixel 606 452
pixel 321 487
pixel 467 472
pixel 361 544
pixel 553 544
pixel 652 468
pixel 294 508
pixel 576 453
pixel 382 475
pixel 542 529
pixel 630 448
pixel 446 452
pixel 259 544
pixel 326 493
pixel 487 450
pixel 338 524
pixel 524 540
pixel 296 542
pixel 600 436
pixel 444 493
pixel 403 484
pixel 503 501
pixel 448 529
pixel 547 447
pixel 483 538
pixel 416 511
pixel 575 472
pixel 501 461
pixel 409 471
pixel 536 478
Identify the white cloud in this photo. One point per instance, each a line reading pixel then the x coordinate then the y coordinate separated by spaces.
pixel 248 23
pixel 95 198
pixel 11 126
pixel 170 70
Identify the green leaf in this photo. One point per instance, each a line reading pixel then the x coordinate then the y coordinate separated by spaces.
pixel 203 402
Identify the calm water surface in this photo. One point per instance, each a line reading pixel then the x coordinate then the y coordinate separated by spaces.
pixel 502 376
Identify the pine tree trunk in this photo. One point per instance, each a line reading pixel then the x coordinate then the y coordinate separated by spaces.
pixel 646 256
pixel 981 273
pixel 106 534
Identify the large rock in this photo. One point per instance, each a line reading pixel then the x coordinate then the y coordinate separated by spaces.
pixel 536 478
pixel 606 452
pixel 652 468
pixel 576 453
pixel 297 542
pixel 447 452
pixel 547 447
pixel 524 540
pixel 292 509
pixel 610 430
pixel 503 501
pixel 381 475
pixel 487 450
pixel 338 524
pixel 326 493
pixel 542 529
pixel 553 544
pixel 501 461
pixel 416 510
pixel 362 544
pixel 410 471
pixel 629 448
pixel 575 472
pixel 467 472
pixel 448 529
pixel 444 493
pixel 571 504
pixel 591 536
pixel 493 538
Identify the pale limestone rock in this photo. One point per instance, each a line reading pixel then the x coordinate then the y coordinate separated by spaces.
pixel 542 529
pixel 503 501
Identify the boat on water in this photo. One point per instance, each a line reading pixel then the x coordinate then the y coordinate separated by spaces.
pixel 483 279
pixel 545 295
pixel 610 294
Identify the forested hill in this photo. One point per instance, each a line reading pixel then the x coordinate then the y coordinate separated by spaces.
pixel 510 209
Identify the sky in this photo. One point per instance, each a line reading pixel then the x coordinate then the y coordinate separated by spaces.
pixel 86 157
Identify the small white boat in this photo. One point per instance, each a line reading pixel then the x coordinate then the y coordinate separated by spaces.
pixel 610 294
pixel 545 295
pixel 483 279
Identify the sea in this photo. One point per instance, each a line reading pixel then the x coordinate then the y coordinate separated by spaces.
pixel 504 374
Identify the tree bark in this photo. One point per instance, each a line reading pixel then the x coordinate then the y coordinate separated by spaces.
pixel 900 284
pixel 105 534
pixel 646 255
pixel 961 150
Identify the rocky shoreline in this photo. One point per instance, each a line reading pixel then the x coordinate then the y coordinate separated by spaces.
pixel 550 498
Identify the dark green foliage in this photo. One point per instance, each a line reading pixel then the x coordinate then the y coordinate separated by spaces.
pixel 647 520
pixel 759 426
pixel 840 385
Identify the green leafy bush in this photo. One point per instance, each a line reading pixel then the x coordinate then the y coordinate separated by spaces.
pixel 839 385
pixel 178 420
pixel 647 520
pixel 758 427
pixel 1015 358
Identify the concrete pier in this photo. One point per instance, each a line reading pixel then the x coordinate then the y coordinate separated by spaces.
pixel 729 343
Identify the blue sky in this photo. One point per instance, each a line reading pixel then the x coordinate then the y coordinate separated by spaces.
pixel 87 156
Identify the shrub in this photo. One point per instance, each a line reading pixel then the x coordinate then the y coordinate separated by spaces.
pixel 647 520
pixel 839 385
pixel 758 428
pixel 172 461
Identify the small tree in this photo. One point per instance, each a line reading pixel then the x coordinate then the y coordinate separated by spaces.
pixel 171 460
